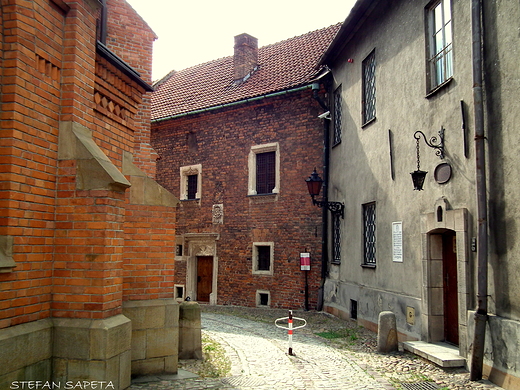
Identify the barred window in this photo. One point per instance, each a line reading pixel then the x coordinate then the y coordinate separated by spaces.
pixel 369 233
pixel 440 64
pixel 263 253
pixel 337 116
pixel 192 186
pixel 264 169
pixel 191 182
pixel 369 87
pixel 336 238
pixel 265 172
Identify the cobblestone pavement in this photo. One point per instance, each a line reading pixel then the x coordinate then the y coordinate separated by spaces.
pixel 259 360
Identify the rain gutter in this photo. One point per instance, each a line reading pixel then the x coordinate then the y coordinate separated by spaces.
pixel 481 315
pixel 231 104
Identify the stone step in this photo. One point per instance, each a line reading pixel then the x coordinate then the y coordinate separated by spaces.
pixel 442 354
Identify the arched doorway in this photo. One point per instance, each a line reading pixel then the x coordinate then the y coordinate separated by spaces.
pixel 445 267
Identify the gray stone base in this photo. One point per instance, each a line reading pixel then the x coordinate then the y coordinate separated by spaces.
pixel 155 335
pixel 26 352
pixel 92 350
pixel 501 351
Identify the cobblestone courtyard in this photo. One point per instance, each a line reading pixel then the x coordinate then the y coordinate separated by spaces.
pixel 244 350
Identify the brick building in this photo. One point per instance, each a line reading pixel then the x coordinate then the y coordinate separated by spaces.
pixel 86 236
pixel 236 138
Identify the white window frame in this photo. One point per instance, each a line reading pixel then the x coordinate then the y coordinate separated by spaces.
pixel 445 53
pixel 254 257
pixel 188 171
pixel 257 149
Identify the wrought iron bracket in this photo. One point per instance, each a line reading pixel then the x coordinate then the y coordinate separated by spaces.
pixel 334 207
pixel 434 142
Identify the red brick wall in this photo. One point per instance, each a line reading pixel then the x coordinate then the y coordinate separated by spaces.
pixel 68 243
pixel 134 43
pixel 148 268
pixel 221 141
pixel 29 112
pixel 89 242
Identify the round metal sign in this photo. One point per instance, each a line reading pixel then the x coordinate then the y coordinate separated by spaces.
pixel 442 173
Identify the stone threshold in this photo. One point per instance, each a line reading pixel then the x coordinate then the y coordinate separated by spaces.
pixel 442 354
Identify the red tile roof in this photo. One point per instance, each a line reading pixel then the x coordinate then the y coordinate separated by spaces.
pixel 284 65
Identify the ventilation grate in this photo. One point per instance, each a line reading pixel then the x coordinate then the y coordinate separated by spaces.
pixel 420 386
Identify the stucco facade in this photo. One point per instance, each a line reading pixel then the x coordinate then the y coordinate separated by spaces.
pixel 410 272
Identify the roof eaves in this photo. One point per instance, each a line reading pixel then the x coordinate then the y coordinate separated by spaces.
pixel 354 20
pixel 234 103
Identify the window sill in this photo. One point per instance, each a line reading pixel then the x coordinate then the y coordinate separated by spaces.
pixel 367 123
pixel 369 266
pixel 439 87
pixel 263 198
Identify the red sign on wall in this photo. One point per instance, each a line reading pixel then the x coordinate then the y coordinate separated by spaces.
pixel 305 261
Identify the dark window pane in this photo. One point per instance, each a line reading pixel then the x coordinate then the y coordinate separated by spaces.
pixel 192 186
pixel 369 87
pixel 265 172
pixel 369 236
pixel 264 258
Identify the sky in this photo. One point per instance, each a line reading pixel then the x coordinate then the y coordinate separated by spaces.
pixel 192 32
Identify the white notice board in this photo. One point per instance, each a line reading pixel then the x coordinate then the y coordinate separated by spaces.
pixel 397 241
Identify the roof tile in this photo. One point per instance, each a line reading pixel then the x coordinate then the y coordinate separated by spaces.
pixel 284 65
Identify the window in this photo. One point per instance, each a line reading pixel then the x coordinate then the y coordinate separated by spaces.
pixel 191 179
pixel 265 172
pixel 337 116
pixel 263 298
pixel 440 62
pixel 369 88
pixel 369 233
pixel 336 238
pixel 192 186
pixel 264 169
pixel 263 258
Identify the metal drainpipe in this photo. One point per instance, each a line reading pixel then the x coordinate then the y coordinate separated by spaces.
pixel 477 358
pixel 324 211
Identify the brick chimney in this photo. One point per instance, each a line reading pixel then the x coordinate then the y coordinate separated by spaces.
pixel 245 59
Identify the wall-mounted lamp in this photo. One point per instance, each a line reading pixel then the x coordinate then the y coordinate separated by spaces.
pixel 314 183
pixel 418 176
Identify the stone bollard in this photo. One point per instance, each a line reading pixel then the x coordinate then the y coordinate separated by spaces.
pixel 387 332
pixel 190 343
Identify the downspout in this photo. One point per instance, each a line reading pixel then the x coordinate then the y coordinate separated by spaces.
pixel 477 358
pixel 325 211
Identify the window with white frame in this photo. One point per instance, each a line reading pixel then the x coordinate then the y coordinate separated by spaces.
pixel 263 253
pixel 264 169
pixel 440 43
pixel 337 116
pixel 369 233
pixel 191 182
pixel 369 87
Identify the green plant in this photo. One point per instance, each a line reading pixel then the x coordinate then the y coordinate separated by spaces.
pixel 215 362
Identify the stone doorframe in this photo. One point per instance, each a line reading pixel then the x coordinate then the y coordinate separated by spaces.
pixel 200 244
pixel 433 225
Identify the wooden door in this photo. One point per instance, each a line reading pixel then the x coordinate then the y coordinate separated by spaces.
pixel 204 277
pixel 451 310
